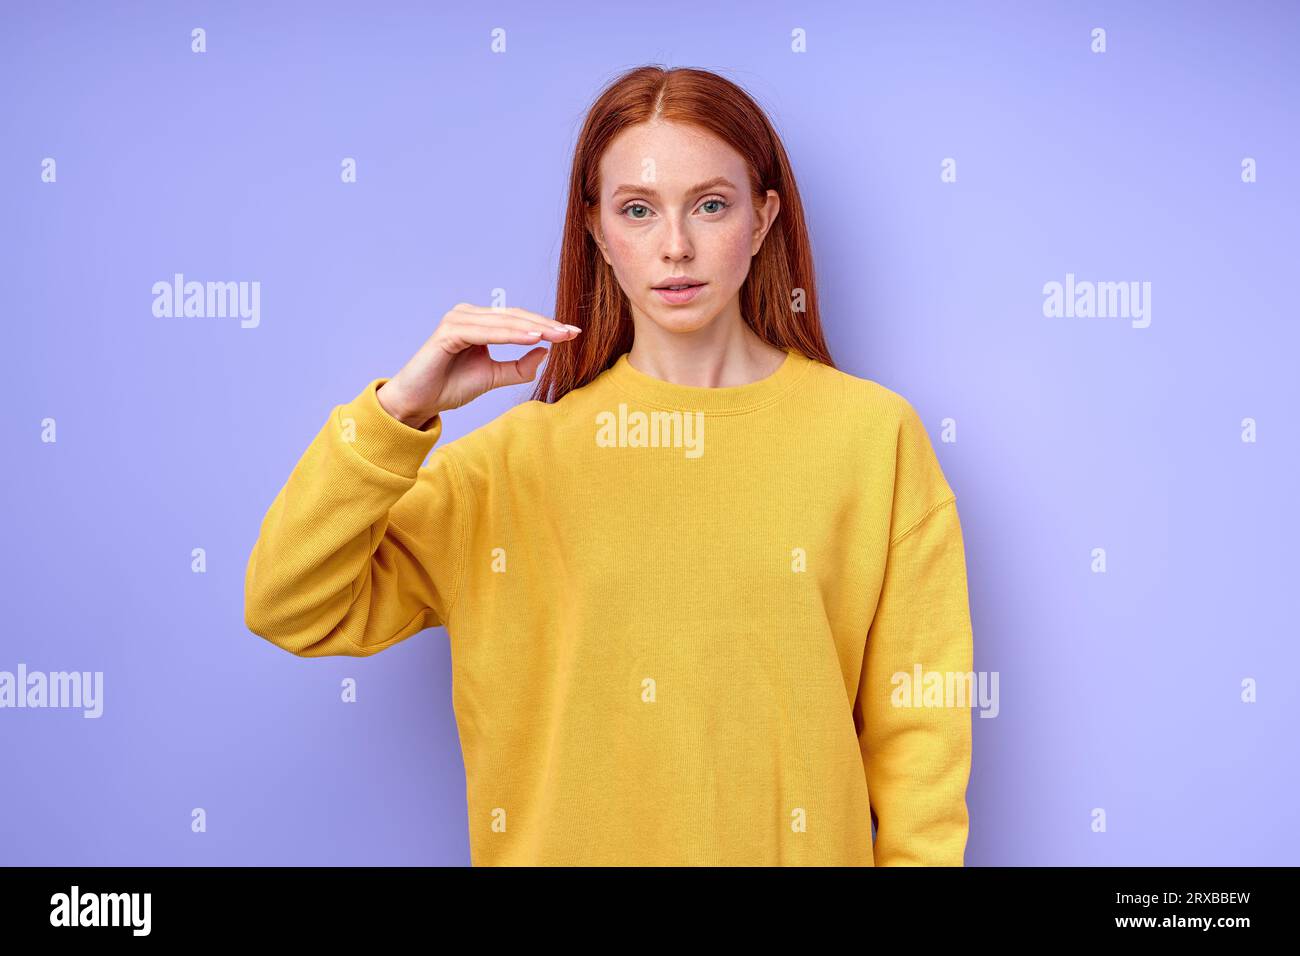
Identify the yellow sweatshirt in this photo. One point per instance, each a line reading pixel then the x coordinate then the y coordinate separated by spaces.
pixel 686 623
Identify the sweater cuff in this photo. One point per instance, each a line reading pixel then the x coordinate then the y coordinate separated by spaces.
pixel 383 440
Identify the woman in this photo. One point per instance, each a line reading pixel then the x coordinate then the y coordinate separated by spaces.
pixel 688 584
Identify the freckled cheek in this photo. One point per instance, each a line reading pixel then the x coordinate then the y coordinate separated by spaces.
pixel 628 255
pixel 731 249
pixel 622 248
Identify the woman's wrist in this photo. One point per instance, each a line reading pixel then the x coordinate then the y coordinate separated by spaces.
pixel 394 405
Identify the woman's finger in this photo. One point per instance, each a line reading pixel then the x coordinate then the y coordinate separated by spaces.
pixel 517 312
pixel 520 370
pixel 553 330
pixel 471 333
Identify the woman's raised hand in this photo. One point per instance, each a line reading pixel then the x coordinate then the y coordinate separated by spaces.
pixel 453 367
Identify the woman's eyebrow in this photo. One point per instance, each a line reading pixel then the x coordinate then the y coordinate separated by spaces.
pixel 697 188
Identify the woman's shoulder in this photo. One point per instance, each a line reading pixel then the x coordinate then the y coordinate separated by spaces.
pixel 865 396
pixel 897 435
pixel 889 428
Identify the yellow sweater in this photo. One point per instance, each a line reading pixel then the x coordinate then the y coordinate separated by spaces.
pixel 686 623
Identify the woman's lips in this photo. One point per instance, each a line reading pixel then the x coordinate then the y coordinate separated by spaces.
pixel 679 296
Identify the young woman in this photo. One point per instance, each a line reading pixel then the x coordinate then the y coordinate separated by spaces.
pixel 704 591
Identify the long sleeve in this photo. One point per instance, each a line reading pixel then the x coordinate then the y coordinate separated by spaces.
pixel 913 708
pixel 916 740
pixel 332 572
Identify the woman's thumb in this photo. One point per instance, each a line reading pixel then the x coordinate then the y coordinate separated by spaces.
pixel 521 369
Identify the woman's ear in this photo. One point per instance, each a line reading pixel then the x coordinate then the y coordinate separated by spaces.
pixel 765 215
pixel 593 227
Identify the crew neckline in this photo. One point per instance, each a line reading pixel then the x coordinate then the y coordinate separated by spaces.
pixel 711 400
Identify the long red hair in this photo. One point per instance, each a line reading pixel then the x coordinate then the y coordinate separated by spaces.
pixel 588 294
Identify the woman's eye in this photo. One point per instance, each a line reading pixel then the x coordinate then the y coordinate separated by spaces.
pixel 721 204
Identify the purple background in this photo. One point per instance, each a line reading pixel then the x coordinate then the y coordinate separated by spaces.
pixel 1119 691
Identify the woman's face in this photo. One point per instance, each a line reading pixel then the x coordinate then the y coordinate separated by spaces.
pixel 675 202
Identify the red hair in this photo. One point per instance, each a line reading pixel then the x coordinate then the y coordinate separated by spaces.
pixel 587 292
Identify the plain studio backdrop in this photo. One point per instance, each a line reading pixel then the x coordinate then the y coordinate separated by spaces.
pixel 955 159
